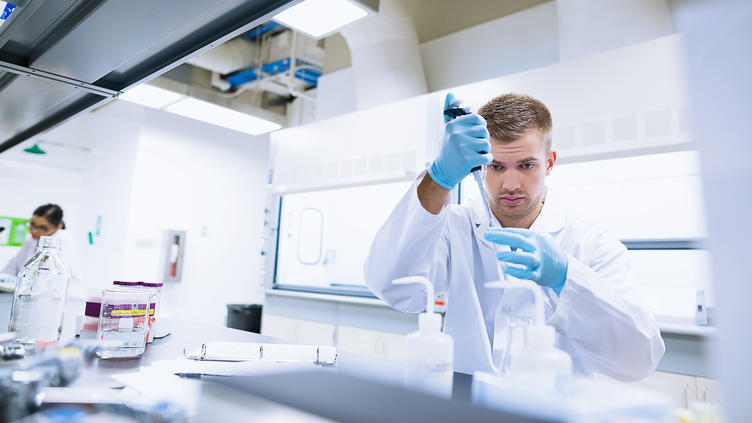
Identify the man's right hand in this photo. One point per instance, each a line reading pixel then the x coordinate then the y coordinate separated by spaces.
pixel 465 139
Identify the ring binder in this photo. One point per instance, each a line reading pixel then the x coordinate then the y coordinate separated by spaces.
pixel 246 351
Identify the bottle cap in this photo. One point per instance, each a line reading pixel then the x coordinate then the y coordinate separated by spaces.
pixel 92 308
pixel 152 284
pixel 429 322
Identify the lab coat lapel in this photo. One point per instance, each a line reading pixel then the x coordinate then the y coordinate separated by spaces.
pixel 486 269
pixel 550 222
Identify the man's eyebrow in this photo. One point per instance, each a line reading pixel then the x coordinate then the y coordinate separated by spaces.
pixel 525 160
pixel 528 159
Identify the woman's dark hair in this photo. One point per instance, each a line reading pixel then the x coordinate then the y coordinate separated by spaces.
pixel 52 212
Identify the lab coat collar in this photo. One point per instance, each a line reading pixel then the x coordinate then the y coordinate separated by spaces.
pixel 550 220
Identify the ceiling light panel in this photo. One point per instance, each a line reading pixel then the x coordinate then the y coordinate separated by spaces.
pixel 221 116
pixel 151 96
pixel 319 18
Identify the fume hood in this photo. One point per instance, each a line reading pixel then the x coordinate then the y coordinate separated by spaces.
pixel 64 57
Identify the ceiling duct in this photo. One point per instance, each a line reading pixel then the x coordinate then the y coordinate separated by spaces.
pixel 384 47
pixel 62 58
pixel 588 27
pixel 278 60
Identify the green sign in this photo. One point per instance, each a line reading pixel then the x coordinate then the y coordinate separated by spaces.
pixel 13 231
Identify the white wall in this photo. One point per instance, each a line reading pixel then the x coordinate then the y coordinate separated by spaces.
pixel 335 94
pixel 515 43
pixel 522 41
pixel 146 171
pixel 384 142
pixel 210 182
pixel 111 133
pixel 88 176
pixel 588 27
pixel 25 185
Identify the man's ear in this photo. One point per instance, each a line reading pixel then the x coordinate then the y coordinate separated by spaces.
pixel 550 160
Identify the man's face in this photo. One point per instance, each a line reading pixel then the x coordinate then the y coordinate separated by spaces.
pixel 516 177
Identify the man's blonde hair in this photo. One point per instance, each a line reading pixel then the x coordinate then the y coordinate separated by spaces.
pixel 510 116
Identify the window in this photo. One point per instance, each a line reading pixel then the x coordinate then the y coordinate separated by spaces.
pixel 324 236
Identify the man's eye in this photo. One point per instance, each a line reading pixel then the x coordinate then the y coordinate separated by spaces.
pixel 528 165
pixel 494 167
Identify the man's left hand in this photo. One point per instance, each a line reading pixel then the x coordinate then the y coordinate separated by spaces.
pixel 543 262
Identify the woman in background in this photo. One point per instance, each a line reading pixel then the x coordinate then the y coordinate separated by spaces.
pixel 47 220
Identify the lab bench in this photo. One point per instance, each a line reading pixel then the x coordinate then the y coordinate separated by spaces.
pixel 685 362
pixel 372 327
pixel 361 389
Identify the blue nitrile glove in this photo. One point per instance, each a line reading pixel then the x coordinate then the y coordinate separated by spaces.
pixel 464 139
pixel 545 263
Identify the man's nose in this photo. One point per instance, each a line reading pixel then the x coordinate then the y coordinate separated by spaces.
pixel 511 182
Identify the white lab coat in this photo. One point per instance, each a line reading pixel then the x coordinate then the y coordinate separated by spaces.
pixel 67 253
pixel 601 318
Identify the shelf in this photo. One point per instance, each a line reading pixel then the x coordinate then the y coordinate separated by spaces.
pixel 327 297
pixel 685 328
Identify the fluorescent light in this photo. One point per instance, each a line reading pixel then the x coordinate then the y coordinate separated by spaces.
pixel 222 116
pixel 151 96
pixel 158 98
pixel 317 18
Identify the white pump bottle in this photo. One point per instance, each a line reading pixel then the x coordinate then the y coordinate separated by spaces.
pixel 524 346
pixel 429 353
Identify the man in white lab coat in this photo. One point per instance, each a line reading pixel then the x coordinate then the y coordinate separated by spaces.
pixel 601 319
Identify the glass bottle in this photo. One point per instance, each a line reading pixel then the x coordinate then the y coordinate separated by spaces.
pixel 39 299
pixel 124 322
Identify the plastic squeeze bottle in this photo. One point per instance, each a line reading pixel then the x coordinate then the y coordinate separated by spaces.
pixel 540 366
pixel 526 347
pixel 429 353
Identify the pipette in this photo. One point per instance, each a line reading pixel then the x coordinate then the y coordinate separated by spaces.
pixel 453 113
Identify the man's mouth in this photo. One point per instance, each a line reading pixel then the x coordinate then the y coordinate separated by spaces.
pixel 511 200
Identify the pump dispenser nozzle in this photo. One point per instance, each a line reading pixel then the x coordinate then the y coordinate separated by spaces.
pixel 428 320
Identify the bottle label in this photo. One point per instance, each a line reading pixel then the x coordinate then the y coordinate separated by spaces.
pixel 117 311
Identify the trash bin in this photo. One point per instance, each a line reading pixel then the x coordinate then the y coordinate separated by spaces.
pixel 244 317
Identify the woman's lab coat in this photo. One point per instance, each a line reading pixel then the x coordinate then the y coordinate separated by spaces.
pixel 601 319
pixel 67 253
